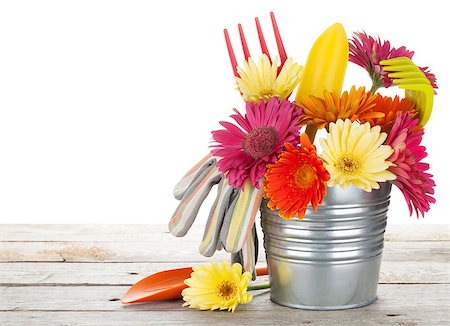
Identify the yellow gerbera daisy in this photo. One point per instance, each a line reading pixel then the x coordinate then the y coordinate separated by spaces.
pixel 263 81
pixel 354 154
pixel 217 286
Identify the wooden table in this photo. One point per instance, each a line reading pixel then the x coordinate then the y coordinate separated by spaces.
pixel 76 275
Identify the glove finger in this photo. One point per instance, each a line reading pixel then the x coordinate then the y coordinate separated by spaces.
pixel 187 210
pixel 215 219
pixel 192 175
pixel 243 217
pixel 248 255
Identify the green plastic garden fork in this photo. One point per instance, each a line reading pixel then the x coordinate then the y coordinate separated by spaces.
pixel 409 77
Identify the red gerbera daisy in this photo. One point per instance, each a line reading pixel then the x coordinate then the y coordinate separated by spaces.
pixel 295 180
pixel 245 152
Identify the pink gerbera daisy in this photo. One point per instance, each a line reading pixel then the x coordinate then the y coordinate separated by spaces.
pixel 431 77
pixel 245 152
pixel 416 184
pixel 367 52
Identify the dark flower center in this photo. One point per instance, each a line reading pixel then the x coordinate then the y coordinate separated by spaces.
pixel 260 142
pixel 347 164
pixel 304 176
pixel 226 290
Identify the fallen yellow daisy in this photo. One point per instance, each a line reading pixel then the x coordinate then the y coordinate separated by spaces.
pixel 216 285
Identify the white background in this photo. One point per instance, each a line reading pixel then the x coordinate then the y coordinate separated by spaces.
pixel 104 105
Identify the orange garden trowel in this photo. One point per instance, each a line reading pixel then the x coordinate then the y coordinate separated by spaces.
pixel 165 285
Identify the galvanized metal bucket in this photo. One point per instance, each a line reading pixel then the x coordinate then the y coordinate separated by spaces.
pixel 330 259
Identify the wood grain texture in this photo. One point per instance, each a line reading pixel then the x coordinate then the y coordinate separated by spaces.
pixel 76 275
pixel 104 298
pixel 23 274
pixel 145 232
pixel 98 306
pixel 175 250
pixel 382 316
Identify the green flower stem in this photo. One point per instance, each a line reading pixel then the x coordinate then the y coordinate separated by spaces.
pixel 260 286
pixel 311 132
pixel 374 88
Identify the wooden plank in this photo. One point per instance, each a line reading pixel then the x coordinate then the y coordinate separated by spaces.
pixel 373 315
pixel 401 297
pixel 21 274
pixel 178 250
pixel 171 251
pixel 90 232
pixel 24 274
pixel 130 232
pixel 414 272
pixel 417 232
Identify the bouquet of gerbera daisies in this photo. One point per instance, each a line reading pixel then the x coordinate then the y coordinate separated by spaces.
pixel 268 150
pixel 370 138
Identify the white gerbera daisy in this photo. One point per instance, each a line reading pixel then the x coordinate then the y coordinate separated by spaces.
pixel 354 154
pixel 263 81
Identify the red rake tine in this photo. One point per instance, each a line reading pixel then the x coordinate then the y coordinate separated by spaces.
pixel 231 52
pixel 280 46
pixel 262 41
pixel 244 43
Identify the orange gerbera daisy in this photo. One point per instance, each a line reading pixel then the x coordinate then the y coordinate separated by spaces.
pixel 391 108
pixel 354 105
pixel 295 180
